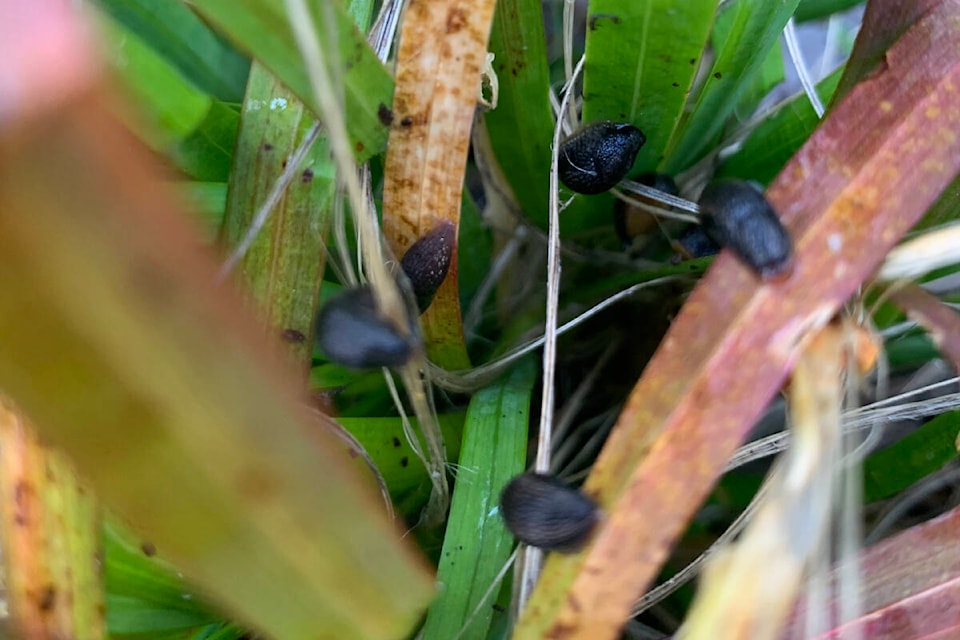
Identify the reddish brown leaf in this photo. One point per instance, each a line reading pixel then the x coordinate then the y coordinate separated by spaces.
pixel 867 174
pixel 930 312
pixel 884 21
pixel 910 585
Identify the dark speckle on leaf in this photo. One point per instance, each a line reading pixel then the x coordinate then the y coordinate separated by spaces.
pixel 267 146
pixel 148 549
pixel 406 122
pixel 307 175
pixel 385 115
pixel 676 84
pixel 592 22
pixel 404 461
pixel 396 441
pixel 47 598
pixel 718 75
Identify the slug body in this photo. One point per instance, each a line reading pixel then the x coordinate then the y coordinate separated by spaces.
pixel 543 512
pixel 351 332
pixel 737 215
pixel 598 156
pixel 427 262
pixel 695 243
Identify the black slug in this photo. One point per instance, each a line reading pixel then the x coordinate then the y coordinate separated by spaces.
pixel 543 512
pixel 351 332
pixel 695 243
pixel 737 215
pixel 598 156
pixel 427 262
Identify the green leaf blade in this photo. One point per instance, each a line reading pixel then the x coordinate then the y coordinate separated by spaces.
pixel 641 60
pixel 263 29
pixel 183 40
pixel 752 28
pixel 477 543
pixel 768 148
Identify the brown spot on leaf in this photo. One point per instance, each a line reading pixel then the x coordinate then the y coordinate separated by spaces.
pixel 47 598
pixel 257 483
pixel 406 122
pixel 148 549
pixel 456 20
pixel 267 146
pixel 592 23
pixel 385 115
pixel 293 336
pixel 21 500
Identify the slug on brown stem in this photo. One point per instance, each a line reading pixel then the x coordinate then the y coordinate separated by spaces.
pixel 427 262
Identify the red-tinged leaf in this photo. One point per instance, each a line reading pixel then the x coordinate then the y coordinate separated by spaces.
pixel 931 313
pixel 910 586
pixel 884 21
pixel 863 179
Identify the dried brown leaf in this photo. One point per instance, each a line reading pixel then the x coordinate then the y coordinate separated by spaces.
pixel 443 45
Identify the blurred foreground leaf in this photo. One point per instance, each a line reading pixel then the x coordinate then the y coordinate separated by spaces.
pixel 116 341
pixel 909 586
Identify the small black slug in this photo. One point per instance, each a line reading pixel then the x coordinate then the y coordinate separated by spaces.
pixel 543 512
pixel 427 261
pixel 737 215
pixel 630 221
pixel 598 156
pixel 351 332
pixel 695 243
